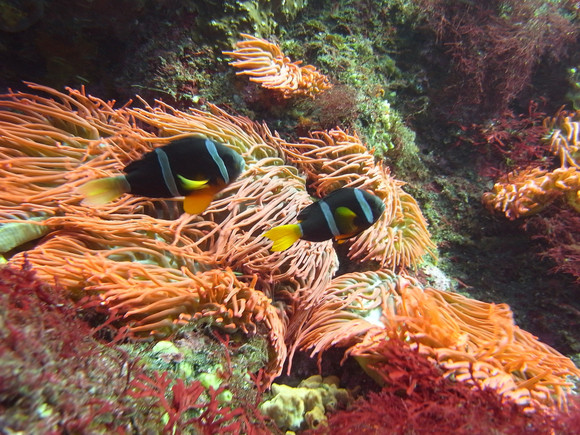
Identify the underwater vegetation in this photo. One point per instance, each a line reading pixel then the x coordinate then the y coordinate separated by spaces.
pixel 417 399
pixel 493 49
pixel 58 377
pixel 50 362
pixel 201 326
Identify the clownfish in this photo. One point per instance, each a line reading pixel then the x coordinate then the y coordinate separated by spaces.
pixel 341 214
pixel 194 167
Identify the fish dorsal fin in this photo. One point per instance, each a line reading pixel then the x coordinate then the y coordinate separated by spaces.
pixel 188 184
pixel 345 217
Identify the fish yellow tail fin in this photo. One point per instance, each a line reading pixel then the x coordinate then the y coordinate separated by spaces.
pixel 103 190
pixel 283 236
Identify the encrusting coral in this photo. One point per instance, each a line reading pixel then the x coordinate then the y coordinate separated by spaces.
pixel 157 268
pixel 304 406
pixel 265 64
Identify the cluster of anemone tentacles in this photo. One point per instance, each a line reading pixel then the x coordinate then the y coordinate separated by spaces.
pixel 527 191
pixel 264 63
pixel 158 268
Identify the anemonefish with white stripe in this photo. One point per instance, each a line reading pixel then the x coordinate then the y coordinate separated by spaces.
pixel 194 167
pixel 342 214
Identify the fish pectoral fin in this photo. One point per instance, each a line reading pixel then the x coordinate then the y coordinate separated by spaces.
pixel 188 184
pixel 345 220
pixel 344 237
pixel 283 236
pixel 198 201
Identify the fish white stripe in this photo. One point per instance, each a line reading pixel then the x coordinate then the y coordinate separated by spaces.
pixel 166 172
pixel 364 205
pixel 329 218
pixel 217 159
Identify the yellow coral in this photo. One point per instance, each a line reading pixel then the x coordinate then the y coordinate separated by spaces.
pixel 304 406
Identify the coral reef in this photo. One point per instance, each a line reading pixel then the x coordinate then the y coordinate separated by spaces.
pixel 562 244
pixel 155 268
pixel 336 159
pixel 262 17
pixel 44 343
pixel 158 282
pixel 89 386
pixel 564 140
pixel 528 191
pixel 212 417
pixel 230 313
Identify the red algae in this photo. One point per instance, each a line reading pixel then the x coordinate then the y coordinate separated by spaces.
pixel 418 400
pixel 54 377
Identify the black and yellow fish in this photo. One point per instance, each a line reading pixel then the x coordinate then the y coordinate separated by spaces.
pixel 194 167
pixel 341 214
